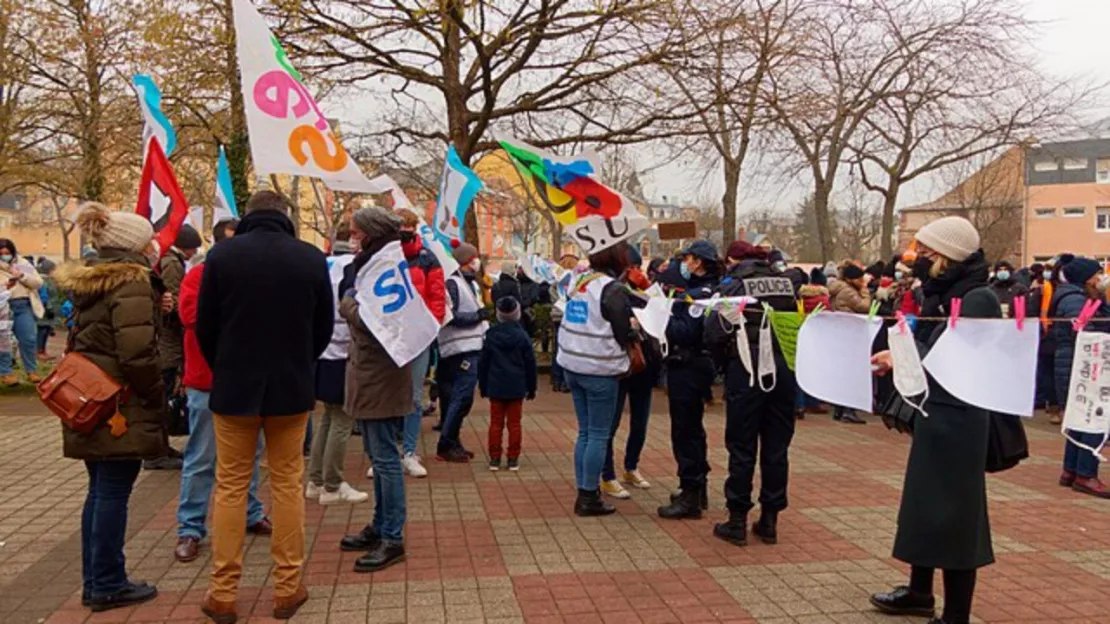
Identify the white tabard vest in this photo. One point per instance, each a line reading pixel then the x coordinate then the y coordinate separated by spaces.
pixel 455 340
pixel 341 334
pixel 586 342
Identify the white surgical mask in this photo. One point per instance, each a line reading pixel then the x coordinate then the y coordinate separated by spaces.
pixel 909 375
pixel 1047 276
pixel 898 275
pixel 1003 275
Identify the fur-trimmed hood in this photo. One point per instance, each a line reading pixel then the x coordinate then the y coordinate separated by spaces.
pixel 100 277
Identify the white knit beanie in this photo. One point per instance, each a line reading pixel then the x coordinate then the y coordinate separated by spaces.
pixel 954 238
pixel 111 229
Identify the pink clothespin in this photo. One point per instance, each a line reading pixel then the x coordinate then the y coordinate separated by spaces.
pixel 1085 315
pixel 901 322
pixel 1019 312
pixel 956 305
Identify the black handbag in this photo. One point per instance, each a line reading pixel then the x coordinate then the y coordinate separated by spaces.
pixel 897 414
pixel 1006 442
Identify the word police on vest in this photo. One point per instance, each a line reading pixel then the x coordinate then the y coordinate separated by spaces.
pixel 768 286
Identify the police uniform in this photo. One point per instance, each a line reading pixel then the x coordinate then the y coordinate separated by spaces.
pixel 690 373
pixel 759 416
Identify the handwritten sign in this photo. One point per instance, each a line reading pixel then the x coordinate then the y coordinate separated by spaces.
pixel 1088 408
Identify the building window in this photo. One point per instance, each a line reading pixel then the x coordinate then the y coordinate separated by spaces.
pixel 1045 213
pixel 1075 211
pixel 1102 219
pixel 1045 165
pixel 1102 171
pixel 1072 164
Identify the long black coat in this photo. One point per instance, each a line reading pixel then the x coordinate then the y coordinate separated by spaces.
pixel 264 316
pixel 942 521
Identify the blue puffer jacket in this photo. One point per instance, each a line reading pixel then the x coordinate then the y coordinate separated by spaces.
pixel 1067 303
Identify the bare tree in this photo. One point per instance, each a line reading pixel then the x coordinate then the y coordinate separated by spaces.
pixel 968 93
pixel 494 63
pixel 734 45
pixel 851 56
pixel 23 133
pixel 989 191
pixel 858 224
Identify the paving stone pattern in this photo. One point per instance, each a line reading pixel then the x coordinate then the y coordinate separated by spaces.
pixel 505 548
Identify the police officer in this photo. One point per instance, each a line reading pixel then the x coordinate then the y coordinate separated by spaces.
pixel 690 373
pixel 759 411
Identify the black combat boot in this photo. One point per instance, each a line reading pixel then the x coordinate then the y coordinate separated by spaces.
pixel 685 504
pixel 735 531
pixel 589 503
pixel 703 496
pixel 766 528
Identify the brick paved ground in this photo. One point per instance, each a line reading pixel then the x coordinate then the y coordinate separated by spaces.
pixel 505 547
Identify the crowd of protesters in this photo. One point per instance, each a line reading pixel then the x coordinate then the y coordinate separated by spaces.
pixel 256 333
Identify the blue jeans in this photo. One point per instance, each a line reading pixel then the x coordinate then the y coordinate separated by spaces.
pixel 595 405
pixel 198 472
pixel 1081 461
pixel 380 439
pixel 43 337
pixel 458 376
pixel 638 391
pixel 104 525
pixel 412 421
pixel 25 331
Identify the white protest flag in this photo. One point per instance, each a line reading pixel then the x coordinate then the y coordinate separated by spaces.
pixel 833 361
pixel 988 363
pixel 1088 408
pixel 289 133
pixel 391 308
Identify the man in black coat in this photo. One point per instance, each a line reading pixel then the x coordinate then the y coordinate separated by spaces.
pixel 265 315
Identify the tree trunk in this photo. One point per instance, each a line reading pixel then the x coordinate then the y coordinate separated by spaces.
pixel 886 244
pixel 238 144
pixel 824 225
pixel 454 95
pixel 728 202
pixel 92 183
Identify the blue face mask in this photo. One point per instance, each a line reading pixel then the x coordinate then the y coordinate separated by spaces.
pixel 1003 276
pixel 898 275
pixel 1047 276
pixel 780 266
pixel 6 258
pixel 684 271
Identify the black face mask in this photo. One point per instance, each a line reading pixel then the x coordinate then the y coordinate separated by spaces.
pixel 407 237
pixel 921 267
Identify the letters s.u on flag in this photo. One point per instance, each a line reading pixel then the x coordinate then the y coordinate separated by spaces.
pixel 160 197
pixel 289 133
pixel 391 308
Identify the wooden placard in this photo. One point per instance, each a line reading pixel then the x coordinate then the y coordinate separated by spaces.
pixel 677 230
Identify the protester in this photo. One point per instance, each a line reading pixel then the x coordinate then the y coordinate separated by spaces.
pixel 198 472
pixel 507 284
pixel 636 390
pixel 460 345
pixel 22 283
pixel 374 400
pixel 1036 306
pixel 849 293
pixel 117 330
pixel 690 374
pixel 596 333
pixel 261 285
pixel 758 415
pixel 332 428
pixel 1006 287
pixel 427 277
pixel 943 521
pixel 50 298
pixel 506 376
pixel 172 268
pixel 1085 282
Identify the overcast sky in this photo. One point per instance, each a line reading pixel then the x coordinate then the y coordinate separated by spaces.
pixel 1071 42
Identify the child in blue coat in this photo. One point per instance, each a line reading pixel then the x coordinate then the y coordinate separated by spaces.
pixel 506 375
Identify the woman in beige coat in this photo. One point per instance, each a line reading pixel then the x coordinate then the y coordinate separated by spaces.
pixel 19 278
pixel 375 400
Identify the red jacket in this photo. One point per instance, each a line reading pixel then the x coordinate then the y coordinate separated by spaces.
pixel 427 276
pixel 198 375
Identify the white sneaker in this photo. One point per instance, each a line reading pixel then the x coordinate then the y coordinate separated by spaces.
pixel 412 465
pixel 345 494
pixel 312 490
pixel 370 472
